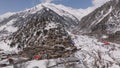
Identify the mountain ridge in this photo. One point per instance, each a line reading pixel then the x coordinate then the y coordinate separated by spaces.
pixel 104 21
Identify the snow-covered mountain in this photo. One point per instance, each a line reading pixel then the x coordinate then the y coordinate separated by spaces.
pixel 50 32
pixel 39 30
pixel 11 22
pixel 46 30
pixel 104 20
pixel 19 18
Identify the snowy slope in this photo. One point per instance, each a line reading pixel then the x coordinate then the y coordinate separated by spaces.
pixel 103 18
pixel 22 17
pixel 93 53
pixel 18 19
pixel 11 22
pixel 6 15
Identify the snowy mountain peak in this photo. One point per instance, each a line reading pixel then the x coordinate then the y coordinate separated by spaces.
pixel 41 13
pixel 46 30
pixel 46 10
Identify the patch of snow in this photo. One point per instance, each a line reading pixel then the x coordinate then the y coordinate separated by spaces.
pixel 8 67
pixel 9 26
pixel 107 57
pixel 6 15
pixel 11 29
pixel 116 54
pixel 114 66
pixel 104 37
pixel 41 63
pixel 50 26
pixel 4 45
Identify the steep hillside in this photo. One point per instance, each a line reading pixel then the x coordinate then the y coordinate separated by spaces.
pixel 45 30
pixel 104 20
pixel 11 22
pixel 41 30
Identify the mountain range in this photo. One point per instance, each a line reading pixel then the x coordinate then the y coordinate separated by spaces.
pixel 55 31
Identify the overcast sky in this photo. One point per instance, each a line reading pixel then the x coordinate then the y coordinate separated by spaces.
pixel 18 5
